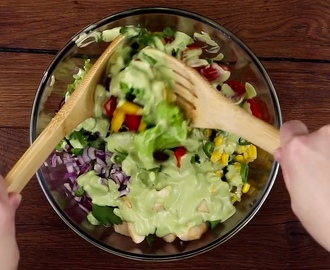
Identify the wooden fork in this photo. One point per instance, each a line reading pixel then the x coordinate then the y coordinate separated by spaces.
pixel 78 108
pixel 208 108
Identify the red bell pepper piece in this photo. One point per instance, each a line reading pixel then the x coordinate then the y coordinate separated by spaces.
pixel 179 152
pixel 238 87
pixel 259 109
pixel 213 72
pixel 168 39
pixel 132 121
pixel 110 106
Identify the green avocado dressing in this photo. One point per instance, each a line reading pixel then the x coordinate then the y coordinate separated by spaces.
pixel 168 201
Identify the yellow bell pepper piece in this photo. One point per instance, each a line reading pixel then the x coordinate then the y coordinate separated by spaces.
pixel 130 108
pixel 117 120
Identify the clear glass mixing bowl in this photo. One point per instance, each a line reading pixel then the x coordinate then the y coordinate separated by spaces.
pixel 246 67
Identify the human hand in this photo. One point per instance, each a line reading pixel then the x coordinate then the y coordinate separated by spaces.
pixel 305 163
pixel 9 253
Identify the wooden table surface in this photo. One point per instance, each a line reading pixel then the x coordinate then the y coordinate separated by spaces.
pixel 291 38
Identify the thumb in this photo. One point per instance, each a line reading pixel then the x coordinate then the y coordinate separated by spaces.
pixel 288 131
pixel 291 129
pixel 15 200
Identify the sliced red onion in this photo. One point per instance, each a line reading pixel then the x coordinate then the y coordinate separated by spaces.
pixel 91 151
pixel 68 187
pixel 98 168
pixel 80 160
pixel 101 162
pixel 85 156
pixel 53 160
pixel 78 199
pixel 100 154
pixel 59 160
pixel 70 175
pixel 84 208
pixel 124 191
pixel 85 168
pixel 118 177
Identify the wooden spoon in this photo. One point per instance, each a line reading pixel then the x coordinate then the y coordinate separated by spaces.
pixel 78 108
pixel 208 108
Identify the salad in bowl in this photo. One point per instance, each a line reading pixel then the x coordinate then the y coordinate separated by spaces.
pixel 137 164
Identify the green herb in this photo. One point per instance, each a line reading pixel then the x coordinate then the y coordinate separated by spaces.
pixel 99 143
pixel 119 157
pixel 145 37
pixel 244 172
pixel 208 148
pixel 242 141
pixel 168 32
pixel 137 91
pixel 209 60
pixel 80 136
pixel 195 159
pixel 79 192
pixel 61 145
pixel 77 151
pixel 214 223
pixel 124 30
pixel 150 239
pixel 125 87
pixel 105 215
pixel 149 59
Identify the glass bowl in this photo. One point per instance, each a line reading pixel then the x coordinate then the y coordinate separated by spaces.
pixel 245 66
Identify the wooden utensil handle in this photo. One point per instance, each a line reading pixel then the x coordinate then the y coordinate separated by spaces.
pixel 249 127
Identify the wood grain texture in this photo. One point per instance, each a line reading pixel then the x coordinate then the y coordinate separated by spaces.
pixel 293 28
pixel 274 239
pixel 20 75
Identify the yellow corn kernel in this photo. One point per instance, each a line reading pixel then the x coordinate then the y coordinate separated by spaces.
pixel 142 127
pixel 117 120
pixel 218 141
pixel 207 132
pixel 216 156
pixel 225 158
pixel 219 173
pixel 130 108
pixel 245 188
pixel 246 157
pixel 252 152
pixel 251 191
pixel 233 198
pixel 237 166
pixel 241 149
pixel 239 158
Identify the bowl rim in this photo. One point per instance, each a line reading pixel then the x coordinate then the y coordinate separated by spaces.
pixel 34 116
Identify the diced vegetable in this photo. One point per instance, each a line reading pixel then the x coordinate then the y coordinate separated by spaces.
pixel 133 122
pixel 208 148
pixel 244 172
pixel 110 106
pixel 179 153
pixel 238 87
pixel 117 120
pixel 105 215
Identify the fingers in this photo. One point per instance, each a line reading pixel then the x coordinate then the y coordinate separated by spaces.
pixel 291 129
pixel 15 200
pixel 288 131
